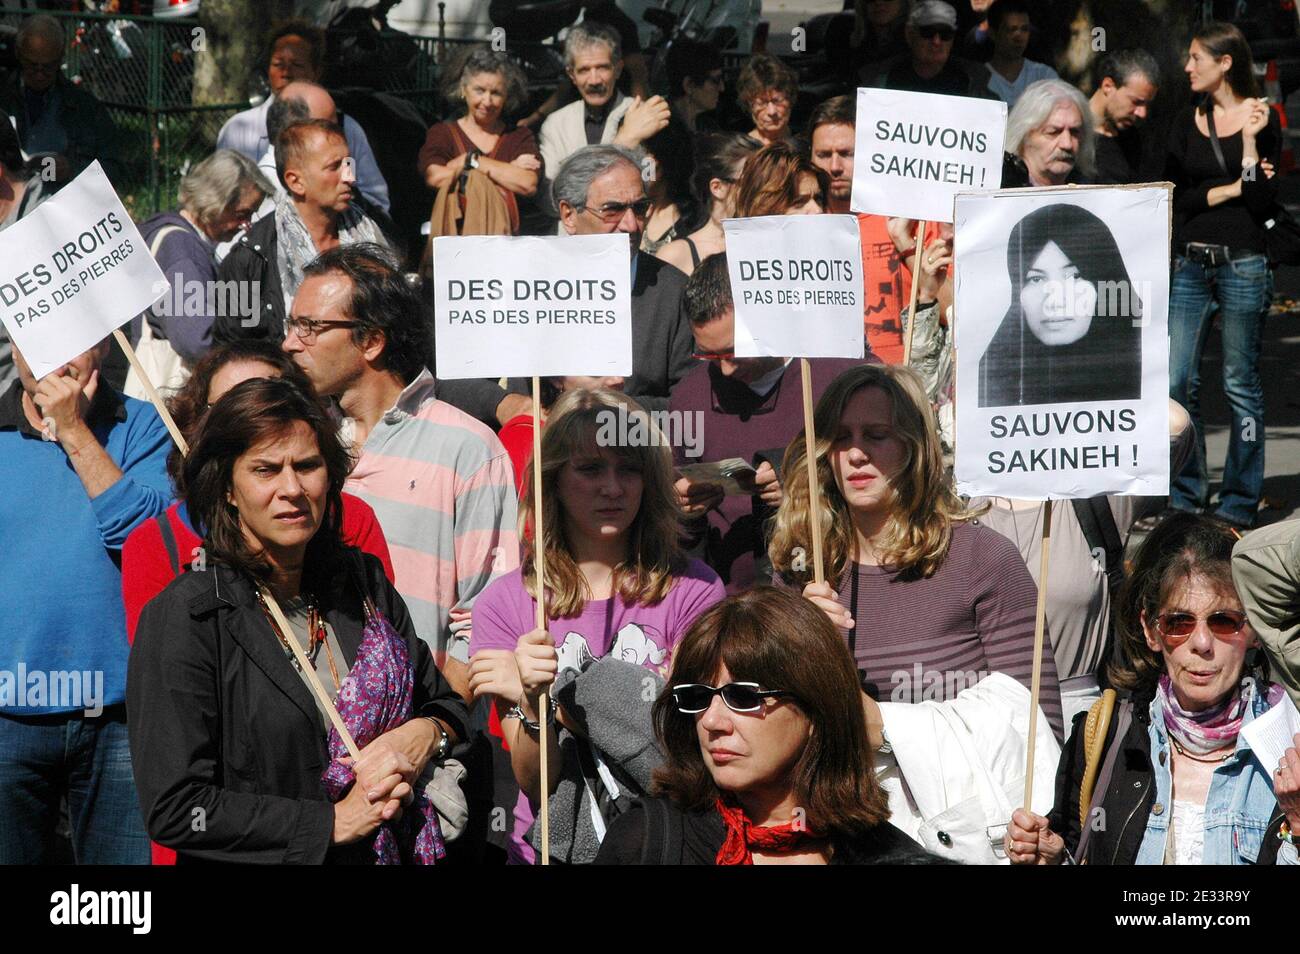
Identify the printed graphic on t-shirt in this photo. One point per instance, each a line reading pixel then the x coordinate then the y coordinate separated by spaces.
pixel 634 643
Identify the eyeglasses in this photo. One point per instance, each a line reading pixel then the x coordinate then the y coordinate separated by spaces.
pixel 930 32
pixel 737 696
pixel 306 329
pixel 781 102
pixel 1177 628
pixel 612 212
pixel 713 355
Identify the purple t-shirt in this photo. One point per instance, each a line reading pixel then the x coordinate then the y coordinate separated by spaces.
pixel 641 634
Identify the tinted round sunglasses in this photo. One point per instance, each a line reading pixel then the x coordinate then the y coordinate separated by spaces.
pixel 1177 628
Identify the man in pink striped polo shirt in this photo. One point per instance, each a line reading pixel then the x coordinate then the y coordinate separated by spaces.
pixel 439 481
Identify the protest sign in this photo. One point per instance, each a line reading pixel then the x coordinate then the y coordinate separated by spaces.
pixel 915 151
pixel 1061 300
pixel 796 281
pixel 74 270
pixel 527 306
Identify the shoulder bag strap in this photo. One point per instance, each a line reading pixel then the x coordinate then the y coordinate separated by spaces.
pixel 1214 136
pixel 169 541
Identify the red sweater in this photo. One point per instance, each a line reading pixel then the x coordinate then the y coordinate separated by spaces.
pixel 147 569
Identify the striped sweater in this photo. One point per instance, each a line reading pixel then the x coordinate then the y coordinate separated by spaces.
pixel 927 639
pixel 442 487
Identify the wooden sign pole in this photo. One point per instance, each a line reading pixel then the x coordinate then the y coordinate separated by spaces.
pixel 814 483
pixel 539 567
pixel 916 285
pixel 1040 626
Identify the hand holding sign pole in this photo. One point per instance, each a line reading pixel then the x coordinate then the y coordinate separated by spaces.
pixel 532 307
pixel 792 301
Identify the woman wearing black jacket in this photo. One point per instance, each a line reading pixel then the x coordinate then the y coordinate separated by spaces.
pixel 1220 260
pixel 765 744
pixel 229 745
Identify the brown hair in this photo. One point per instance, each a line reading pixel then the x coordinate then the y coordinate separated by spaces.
pixel 838 110
pixel 248 414
pixel 762 73
pixel 924 504
pixel 781 641
pixel 296 142
pixel 1224 39
pixel 1184 545
pixel 190 402
pixel 575 426
pixel 769 184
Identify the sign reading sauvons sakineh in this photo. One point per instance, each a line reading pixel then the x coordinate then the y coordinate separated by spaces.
pixel 532 305
pixel 73 271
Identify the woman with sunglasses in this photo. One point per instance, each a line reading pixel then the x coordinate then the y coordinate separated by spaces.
pixel 1185 787
pixel 617 583
pixel 766 758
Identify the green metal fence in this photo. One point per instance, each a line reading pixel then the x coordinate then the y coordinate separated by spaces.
pixel 142 70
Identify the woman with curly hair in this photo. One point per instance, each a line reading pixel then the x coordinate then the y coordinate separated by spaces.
pixel 768 89
pixel 918 585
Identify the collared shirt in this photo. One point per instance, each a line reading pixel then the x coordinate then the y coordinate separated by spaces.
pixel 593 119
pixel 442 488
pixel 767 382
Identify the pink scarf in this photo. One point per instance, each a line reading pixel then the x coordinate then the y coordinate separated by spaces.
pixel 1201 733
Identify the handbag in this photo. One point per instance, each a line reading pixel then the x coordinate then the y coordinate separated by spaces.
pixel 160 362
pixel 1281 231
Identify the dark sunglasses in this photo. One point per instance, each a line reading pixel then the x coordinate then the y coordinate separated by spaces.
pixel 736 696
pixel 930 32
pixel 713 355
pixel 1177 628
pixel 613 211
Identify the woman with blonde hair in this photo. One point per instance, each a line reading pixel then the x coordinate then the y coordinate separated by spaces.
pixel 923 591
pixel 617 583
pixel 780 180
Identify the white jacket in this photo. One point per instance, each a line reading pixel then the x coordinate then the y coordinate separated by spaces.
pixel 958 768
pixel 565 132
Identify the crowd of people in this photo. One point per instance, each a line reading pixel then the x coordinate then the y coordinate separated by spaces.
pixel 325 630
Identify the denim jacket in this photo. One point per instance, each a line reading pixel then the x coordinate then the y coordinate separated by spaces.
pixel 1238 807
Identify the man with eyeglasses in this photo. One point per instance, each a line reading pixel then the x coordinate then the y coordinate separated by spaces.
pixel 57 121
pixel 599 191
pixel 929 66
pixel 750 408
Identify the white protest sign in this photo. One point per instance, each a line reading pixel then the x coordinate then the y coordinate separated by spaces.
pixel 914 152
pixel 524 306
pixel 1062 304
pixel 74 270
pixel 796 281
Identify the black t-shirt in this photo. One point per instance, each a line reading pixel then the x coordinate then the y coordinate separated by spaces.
pixel 1119 158
pixel 957 78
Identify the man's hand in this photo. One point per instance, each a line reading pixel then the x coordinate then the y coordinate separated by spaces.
pixel 696 498
pixel 642 120
pixel 765 484
pixel 64 401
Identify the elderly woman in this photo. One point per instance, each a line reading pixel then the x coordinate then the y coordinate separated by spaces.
pixel 767 89
pixel 22 189
pixel 218 197
pixel 490 86
pixel 767 760
pixel 223 725
pixel 1184 787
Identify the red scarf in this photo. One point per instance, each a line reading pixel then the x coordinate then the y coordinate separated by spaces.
pixel 743 837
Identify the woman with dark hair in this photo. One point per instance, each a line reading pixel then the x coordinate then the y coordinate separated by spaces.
pixel 1068 335
pixel 1185 786
pixel 617 582
pixel 780 180
pixel 766 757
pixel 672 206
pixel 221 719
pixel 1222 150
pixel 492 88
pixel 768 89
pixel 719 161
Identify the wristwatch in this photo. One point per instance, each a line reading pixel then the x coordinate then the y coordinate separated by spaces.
pixel 472 161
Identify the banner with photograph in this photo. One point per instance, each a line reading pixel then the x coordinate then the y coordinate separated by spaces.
pixel 915 151
pixel 1061 321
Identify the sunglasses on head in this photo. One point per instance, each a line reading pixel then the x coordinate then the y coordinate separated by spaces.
pixel 692 698
pixel 1177 628
pixel 930 32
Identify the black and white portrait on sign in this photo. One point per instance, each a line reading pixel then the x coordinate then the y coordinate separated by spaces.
pixel 1072 330
pixel 1061 326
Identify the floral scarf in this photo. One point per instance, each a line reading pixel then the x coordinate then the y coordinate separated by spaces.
pixel 374 698
pixel 1200 733
pixel 294 247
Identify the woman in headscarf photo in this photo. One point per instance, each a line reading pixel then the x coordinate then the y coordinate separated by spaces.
pixel 1073 330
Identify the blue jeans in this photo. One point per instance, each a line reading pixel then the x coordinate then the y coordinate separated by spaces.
pixel 43 758
pixel 1241 292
